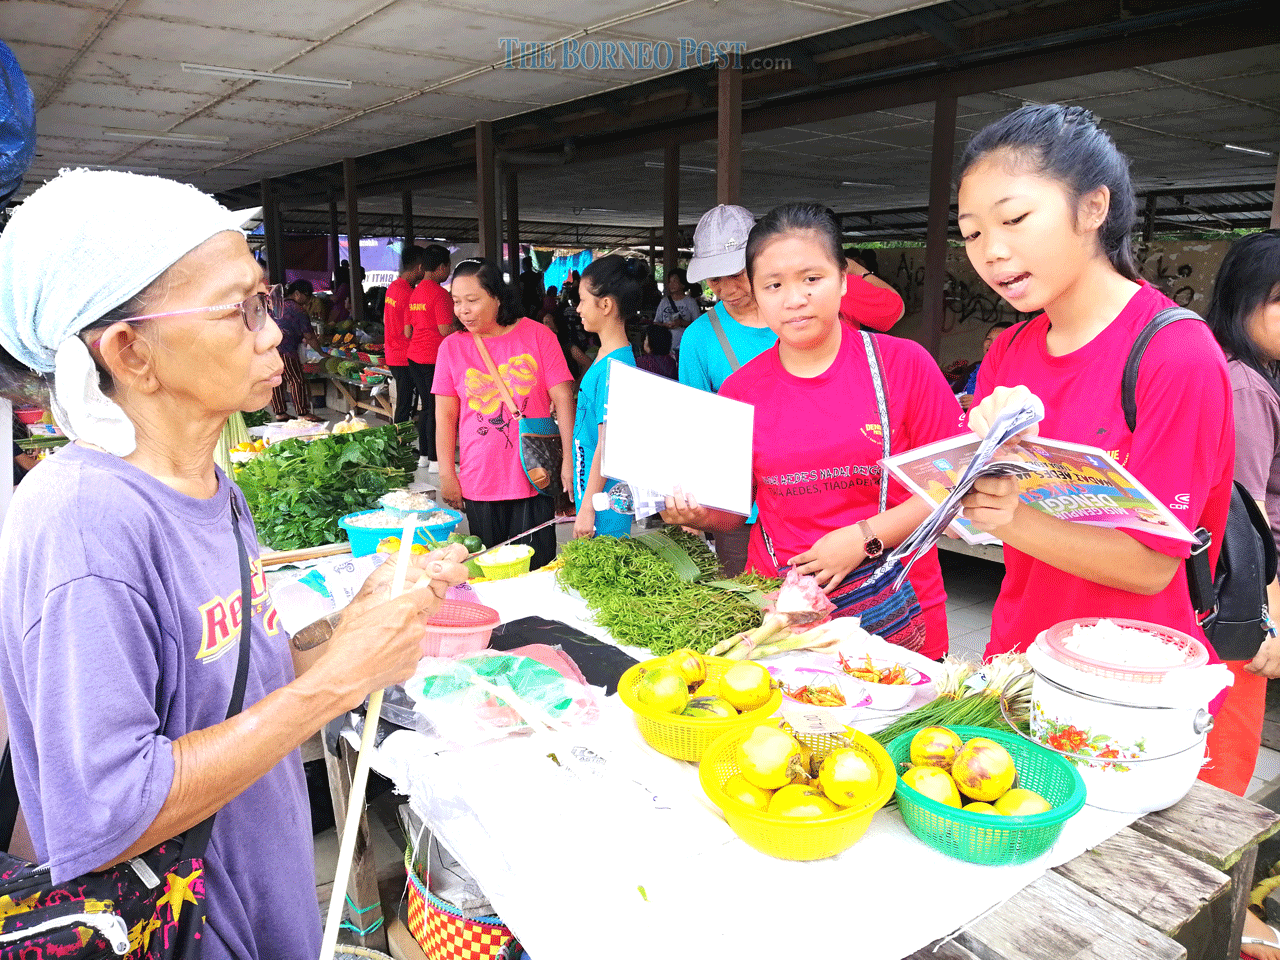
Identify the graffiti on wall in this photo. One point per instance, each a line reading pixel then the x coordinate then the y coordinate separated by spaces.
pixel 1181 270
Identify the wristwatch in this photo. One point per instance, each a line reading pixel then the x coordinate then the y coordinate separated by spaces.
pixel 872 545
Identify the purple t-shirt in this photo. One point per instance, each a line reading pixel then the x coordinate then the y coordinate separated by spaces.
pixel 1257 413
pixel 119 632
pixel 294 325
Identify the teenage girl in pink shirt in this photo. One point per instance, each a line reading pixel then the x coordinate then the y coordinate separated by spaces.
pixel 1045 209
pixel 816 441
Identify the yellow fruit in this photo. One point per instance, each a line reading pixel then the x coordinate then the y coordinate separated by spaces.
pixel 689 664
pixel 983 770
pixel 848 778
pixel 389 545
pixel 800 801
pixel 933 783
pixel 767 757
pixel 935 747
pixel 663 689
pixel 979 807
pixel 746 686
pixel 744 791
pixel 1022 803
pixel 709 707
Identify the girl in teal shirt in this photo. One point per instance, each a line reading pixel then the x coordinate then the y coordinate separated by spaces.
pixel 610 291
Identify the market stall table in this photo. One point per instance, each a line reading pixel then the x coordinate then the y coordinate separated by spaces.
pixel 630 857
pixel 352 391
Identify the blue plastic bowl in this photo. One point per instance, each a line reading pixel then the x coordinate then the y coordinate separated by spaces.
pixel 364 540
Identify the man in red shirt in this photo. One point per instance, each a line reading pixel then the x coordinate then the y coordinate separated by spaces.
pixel 430 320
pixel 395 322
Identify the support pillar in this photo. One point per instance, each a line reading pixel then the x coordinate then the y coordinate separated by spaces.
pixel 335 251
pixel 1275 201
pixel 671 207
pixel 271 228
pixel 1149 218
pixel 353 239
pixel 511 192
pixel 406 209
pixel 935 255
pixel 729 135
pixel 487 192
pixel 653 251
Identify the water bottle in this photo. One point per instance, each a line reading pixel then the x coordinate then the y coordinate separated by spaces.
pixel 622 498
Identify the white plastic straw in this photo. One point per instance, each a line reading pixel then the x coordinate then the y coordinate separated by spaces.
pixel 360 778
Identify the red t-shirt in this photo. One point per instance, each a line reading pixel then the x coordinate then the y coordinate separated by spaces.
pixel 1182 451
pixel 866 305
pixel 429 307
pixel 816 451
pixel 395 310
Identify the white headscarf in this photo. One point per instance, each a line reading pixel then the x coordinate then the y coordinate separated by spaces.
pixel 80 246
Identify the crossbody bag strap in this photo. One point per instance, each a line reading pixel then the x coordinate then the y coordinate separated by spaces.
pixel 497 378
pixel 882 405
pixel 197 838
pixel 724 340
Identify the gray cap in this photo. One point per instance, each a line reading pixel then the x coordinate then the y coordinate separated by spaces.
pixel 720 242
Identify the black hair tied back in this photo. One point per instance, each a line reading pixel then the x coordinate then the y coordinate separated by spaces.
pixel 1068 145
pixel 620 278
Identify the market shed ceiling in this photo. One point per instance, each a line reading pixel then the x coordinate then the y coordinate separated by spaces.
pixel 422 73
pixel 416 69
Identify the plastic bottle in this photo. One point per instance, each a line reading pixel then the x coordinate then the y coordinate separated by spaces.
pixel 621 498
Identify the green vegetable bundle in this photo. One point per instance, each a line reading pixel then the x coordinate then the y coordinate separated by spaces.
pixel 640 598
pixel 299 489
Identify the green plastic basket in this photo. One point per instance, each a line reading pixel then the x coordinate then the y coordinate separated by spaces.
pixel 986 838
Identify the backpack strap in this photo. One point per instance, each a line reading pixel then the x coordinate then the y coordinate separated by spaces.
pixel 1200 579
pixel 1129 383
pixel 724 340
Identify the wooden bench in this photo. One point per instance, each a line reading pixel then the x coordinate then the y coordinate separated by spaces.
pixel 1174 885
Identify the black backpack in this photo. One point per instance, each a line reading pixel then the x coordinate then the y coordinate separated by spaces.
pixel 1231 604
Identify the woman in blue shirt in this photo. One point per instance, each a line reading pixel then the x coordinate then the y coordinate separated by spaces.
pixel 610 292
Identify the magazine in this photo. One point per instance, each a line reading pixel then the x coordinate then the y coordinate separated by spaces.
pixel 1065 480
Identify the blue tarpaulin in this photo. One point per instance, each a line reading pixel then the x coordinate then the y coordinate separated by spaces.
pixel 556 274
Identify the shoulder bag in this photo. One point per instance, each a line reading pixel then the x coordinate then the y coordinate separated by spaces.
pixel 541 446
pixel 148 908
pixel 867 592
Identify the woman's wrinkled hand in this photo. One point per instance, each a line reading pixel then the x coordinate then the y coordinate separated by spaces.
pixel 378 641
pixel 991 503
pixel 984 414
pixel 832 558
pixel 1266 662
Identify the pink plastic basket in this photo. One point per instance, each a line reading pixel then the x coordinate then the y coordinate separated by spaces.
pixel 1193 651
pixel 459 627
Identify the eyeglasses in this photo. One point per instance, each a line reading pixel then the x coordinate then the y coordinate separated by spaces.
pixel 254 309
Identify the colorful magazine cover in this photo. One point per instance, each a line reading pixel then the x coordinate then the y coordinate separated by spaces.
pixel 1065 480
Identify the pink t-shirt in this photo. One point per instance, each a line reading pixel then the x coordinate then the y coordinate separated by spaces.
pixel 1182 452
pixel 395 310
pixel 529 360
pixel 816 448
pixel 430 307
pixel 866 305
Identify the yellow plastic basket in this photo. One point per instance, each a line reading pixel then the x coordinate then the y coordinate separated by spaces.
pixel 685 738
pixel 785 837
pixel 505 570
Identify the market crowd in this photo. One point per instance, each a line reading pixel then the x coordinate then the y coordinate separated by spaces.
pixel 116 677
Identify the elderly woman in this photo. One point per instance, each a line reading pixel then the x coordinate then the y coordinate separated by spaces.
pixel 121 574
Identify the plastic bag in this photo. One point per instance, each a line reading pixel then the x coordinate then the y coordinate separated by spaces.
pixel 489 695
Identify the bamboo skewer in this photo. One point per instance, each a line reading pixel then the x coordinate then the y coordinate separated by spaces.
pixel 276 558
pixel 360 777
